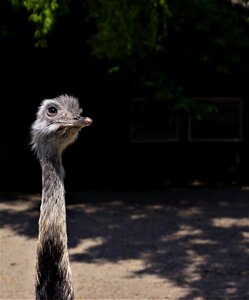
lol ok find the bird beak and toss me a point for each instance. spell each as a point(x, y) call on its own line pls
point(83, 121)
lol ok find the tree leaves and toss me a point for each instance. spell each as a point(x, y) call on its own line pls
point(127, 28)
point(43, 15)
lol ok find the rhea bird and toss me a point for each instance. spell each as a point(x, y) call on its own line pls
point(58, 122)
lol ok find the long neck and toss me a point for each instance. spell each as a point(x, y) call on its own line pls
point(53, 279)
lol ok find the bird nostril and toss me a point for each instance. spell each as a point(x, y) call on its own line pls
point(77, 118)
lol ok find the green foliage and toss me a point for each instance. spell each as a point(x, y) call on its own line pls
point(43, 15)
point(155, 41)
point(203, 36)
point(211, 30)
point(16, 3)
point(127, 28)
point(114, 70)
point(164, 88)
point(215, 32)
point(195, 109)
point(123, 28)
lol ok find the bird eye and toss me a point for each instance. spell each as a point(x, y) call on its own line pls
point(52, 111)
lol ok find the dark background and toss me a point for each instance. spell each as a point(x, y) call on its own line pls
point(104, 156)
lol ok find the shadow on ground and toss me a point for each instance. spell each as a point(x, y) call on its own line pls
point(194, 238)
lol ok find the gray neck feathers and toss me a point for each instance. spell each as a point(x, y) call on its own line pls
point(53, 280)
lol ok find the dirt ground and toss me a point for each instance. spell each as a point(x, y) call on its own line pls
point(175, 244)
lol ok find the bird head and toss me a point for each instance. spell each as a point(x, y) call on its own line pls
point(58, 122)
